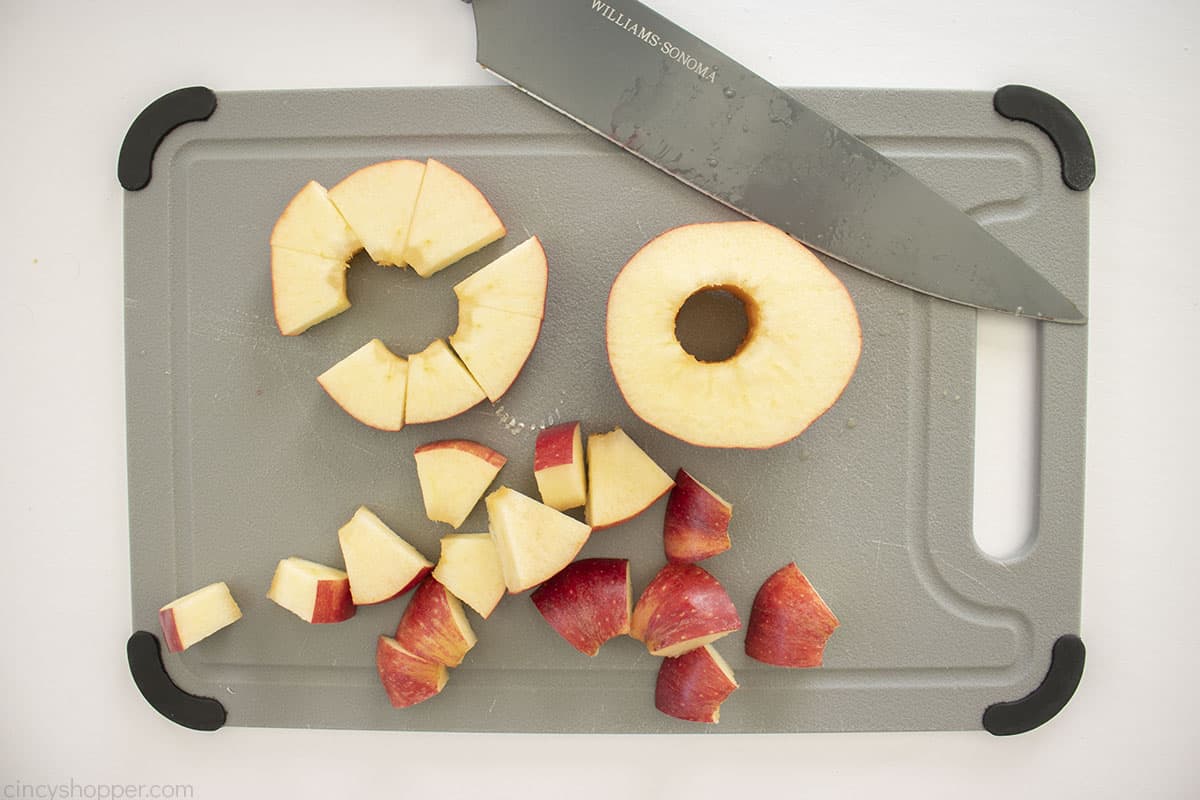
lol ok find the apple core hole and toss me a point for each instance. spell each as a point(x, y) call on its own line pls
point(714, 323)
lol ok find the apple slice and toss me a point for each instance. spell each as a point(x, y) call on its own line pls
point(197, 616)
point(452, 219)
point(313, 592)
point(434, 626)
point(439, 386)
point(588, 602)
point(470, 568)
point(370, 385)
point(406, 678)
point(558, 466)
point(306, 289)
point(696, 526)
point(454, 474)
point(681, 609)
point(692, 686)
point(789, 622)
point(533, 540)
point(494, 345)
point(380, 564)
point(622, 480)
point(377, 203)
point(312, 224)
point(514, 282)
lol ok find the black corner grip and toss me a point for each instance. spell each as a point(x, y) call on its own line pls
point(1039, 706)
point(164, 115)
point(188, 710)
point(1026, 104)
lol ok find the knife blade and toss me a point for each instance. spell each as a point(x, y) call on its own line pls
point(637, 79)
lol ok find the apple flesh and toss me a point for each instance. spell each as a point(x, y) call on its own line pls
point(407, 678)
point(515, 282)
point(801, 349)
point(197, 615)
point(313, 592)
point(789, 622)
point(469, 567)
point(434, 626)
point(558, 466)
point(452, 219)
point(681, 609)
point(533, 540)
point(622, 480)
point(370, 385)
point(312, 224)
point(696, 525)
point(377, 203)
point(439, 386)
point(692, 686)
point(379, 564)
point(588, 602)
point(494, 345)
point(454, 474)
point(306, 289)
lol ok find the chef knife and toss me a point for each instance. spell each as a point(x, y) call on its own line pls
point(639, 80)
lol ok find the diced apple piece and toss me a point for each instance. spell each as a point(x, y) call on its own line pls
point(312, 224)
point(197, 616)
point(439, 386)
point(370, 385)
point(454, 474)
point(696, 526)
point(588, 602)
point(789, 622)
point(434, 626)
point(377, 203)
point(681, 609)
point(558, 466)
point(406, 678)
point(313, 592)
point(452, 220)
point(379, 563)
point(470, 568)
point(692, 686)
point(494, 345)
point(533, 540)
point(306, 289)
point(622, 480)
point(514, 282)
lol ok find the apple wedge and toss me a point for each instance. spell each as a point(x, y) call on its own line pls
point(558, 466)
point(454, 474)
point(681, 609)
point(313, 592)
point(533, 540)
point(197, 615)
point(588, 602)
point(370, 385)
point(789, 622)
point(306, 289)
point(696, 525)
point(692, 686)
point(622, 480)
point(407, 678)
point(377, 203)
point(379, 564)
point(312, 224)
point(494, 345)
point(452, 219)
point(514, 282)
point(439, 386)
point(470, 568)
point(434, 626)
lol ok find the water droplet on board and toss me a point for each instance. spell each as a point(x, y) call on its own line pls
point(730, 93)
point(852, 423)
point(712, 162)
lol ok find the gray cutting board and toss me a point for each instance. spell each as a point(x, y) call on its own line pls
point(237, 458)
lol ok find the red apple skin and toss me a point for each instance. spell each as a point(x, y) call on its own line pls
point(427, 628)
point(555, 446)
point(692, 687)
point(333, 603)
point(407, 679)
point(682, 603)
point(587, 602)
point(474, 448)
point(166, 618)
point(789, 622)
point(696, 525)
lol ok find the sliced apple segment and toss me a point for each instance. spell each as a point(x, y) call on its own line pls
point(558, 466)
point(439, 386)
point(380, 565)
point(470, 568)
point(681, 609)
point(515, 282)
point(588, 602)
point(434, 626)
point(454, 474)
point(306, 289)
point(452, 220)
point(407, 678)
point(377, 203)
point(197, 615)
point(696, 525)
point(313, 592)
point(533, 540)
point(692, 686)
point(312, 224)
point(622, 480)
point(494, 345)
point(370, 385)
point(789, 622)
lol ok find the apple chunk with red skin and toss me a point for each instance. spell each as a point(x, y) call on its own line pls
point(454, 474)
point(313, 592)
point(369, 385)
point(197, 615)
point(470, 568)
point(379, 563)
point(789, 622)
point(692, 686)
point(681, 609)
point(588, 603)
point(558, 466)
point(533, 540)
point(407, 678)
point(696, 525)
point(623, 481)
point(434, 625)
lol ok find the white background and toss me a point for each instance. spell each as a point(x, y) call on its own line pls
point(74, 75)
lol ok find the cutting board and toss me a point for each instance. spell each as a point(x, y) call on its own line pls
point(237, 458)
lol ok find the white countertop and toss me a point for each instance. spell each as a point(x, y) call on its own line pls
point(74, 75)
